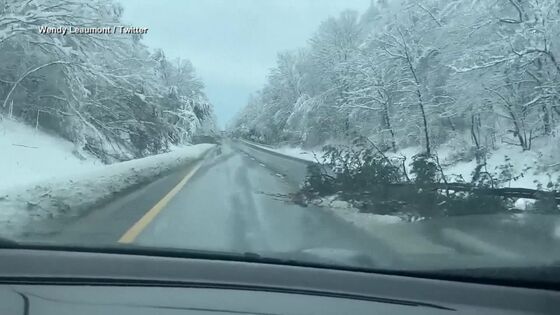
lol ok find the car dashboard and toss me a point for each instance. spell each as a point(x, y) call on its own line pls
point(36, 281)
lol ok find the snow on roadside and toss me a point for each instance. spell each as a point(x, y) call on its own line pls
point(533, 169)
point(534, 164)
point(530, 163)
point(28, 155)
point(296, 152)
point(301, 153)
point(73, 194)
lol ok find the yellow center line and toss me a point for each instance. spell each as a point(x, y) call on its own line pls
point(139, 226)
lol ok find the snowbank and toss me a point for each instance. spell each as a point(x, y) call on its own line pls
point(73, 194)
point(28, 155)
point(295, 152)
point(532, 169)
point(291, 169)
point(301, 153)
point(537, 165)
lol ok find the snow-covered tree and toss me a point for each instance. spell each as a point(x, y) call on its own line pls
point(107, 94)
point(410, 72)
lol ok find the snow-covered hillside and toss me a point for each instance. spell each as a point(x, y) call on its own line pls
point(41, 177)
point(474, 84)
point(28, 155)
point(533, 169)
point(117, 100)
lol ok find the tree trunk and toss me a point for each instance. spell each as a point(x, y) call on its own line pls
point(418, 93)
point(517, 129)
point(425, 121)
point(546, 120)
point(474, 134)
point(388, 125)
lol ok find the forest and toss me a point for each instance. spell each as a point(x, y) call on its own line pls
point(407, 72)
point(107, 93)
point(477, 76)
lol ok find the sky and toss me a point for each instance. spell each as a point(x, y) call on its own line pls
point(232, 43)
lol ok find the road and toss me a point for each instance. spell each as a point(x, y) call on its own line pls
point(236, 200)
point(231, 201)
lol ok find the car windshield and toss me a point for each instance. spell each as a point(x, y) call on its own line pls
point(399, 136)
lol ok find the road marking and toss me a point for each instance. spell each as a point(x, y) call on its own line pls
point(139, 226)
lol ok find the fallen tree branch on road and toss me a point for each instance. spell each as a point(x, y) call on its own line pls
point(502, 192)
point(462, 187)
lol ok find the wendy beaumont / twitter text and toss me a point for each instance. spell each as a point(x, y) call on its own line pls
point(74, 30)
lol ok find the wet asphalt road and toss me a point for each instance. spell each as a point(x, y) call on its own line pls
point(234, 202)
point(237, 201)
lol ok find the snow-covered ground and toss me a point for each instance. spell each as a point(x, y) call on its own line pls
point(28, 155)
point(308, 155)
point(538, 167)
point(532, 169)
point(48, 180)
